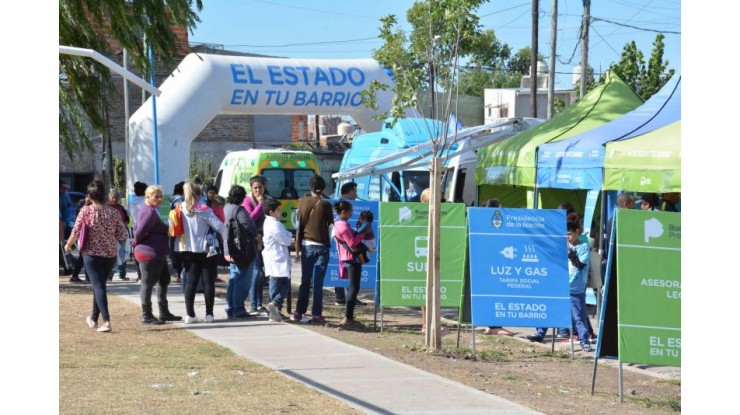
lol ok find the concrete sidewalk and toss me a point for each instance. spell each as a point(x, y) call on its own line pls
point(364, 380)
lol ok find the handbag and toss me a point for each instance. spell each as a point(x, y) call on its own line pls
point(82, 240)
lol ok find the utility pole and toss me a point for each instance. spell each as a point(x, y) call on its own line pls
point(551, 70)
point(126, 116)
point(584, 45)
point(533, 61)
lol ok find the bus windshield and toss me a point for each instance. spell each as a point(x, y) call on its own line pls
point(288, 183)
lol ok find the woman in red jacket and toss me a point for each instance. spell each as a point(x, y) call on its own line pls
point(349, 267)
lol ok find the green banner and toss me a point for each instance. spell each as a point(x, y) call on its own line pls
point(649, 287)
point(404, 250)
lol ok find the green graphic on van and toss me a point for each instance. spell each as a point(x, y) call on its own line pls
point(287, 173)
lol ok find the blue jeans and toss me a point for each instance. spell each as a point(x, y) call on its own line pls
point(314, 260)
point(257, 286)
point(578, 310)
point(279, 290)
point(97, 269)
point(578, 315)
point(124, 251)
point(238, 288)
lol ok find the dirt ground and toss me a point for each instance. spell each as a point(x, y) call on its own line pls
point(509, 367)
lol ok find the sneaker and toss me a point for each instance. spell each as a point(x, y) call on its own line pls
point(274, 312)
point(534, 338)
point(209, 318)
point(593, 340)
point(105, 328)
point(296, 317)
point(263, 312)
point(359, 303)
point(562, 335)
point(318, 320)
point(342, 303)
point(123, 279)
point(253, 312)
point(587, 347)
point(75, 280)
point(90, 323)
point(191, 320)
point(573, 339)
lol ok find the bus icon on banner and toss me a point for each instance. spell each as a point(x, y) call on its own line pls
point(421, 244)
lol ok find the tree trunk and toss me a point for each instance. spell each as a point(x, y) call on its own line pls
point(433, 335)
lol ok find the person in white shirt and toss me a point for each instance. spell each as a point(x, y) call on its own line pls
point(197, 219)
point(276, 240)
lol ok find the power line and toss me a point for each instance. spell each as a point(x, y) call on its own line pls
point(504, 10)
point(306, 43)
point(607, 43)
point(313, 10)
point(598, 19)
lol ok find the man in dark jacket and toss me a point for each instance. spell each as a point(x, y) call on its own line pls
point(312, 241)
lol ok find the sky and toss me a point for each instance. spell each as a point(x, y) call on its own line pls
point(341, 29)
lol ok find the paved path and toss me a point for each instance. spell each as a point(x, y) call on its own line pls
point(365, 380)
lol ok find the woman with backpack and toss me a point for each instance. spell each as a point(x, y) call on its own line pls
point(196, 220)
point(240, 251)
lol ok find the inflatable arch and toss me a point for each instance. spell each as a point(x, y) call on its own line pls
point(204, 86)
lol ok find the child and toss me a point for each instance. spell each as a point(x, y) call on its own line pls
point(276, 257)
point(366, 222)
point(578, 261)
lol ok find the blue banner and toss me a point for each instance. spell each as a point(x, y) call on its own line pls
point(588, 215)
point(519, 267)
point(369, 270)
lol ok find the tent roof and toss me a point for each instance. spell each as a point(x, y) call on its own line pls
point(512, 161)
point(650, 162)
point(576, 163)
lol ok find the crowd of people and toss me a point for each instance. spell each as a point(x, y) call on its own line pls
point(245, 234)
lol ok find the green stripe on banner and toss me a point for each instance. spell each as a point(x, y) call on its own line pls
point(649, 288)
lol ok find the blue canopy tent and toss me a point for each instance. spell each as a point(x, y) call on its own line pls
point(578, 162)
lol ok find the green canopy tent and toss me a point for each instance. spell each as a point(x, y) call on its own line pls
point(512, 162)
point(650, 162)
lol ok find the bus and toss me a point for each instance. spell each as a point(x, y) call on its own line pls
point(287, 172)
point(402, 178)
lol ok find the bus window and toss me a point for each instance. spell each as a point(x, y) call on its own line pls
point(460, 186)
point(415, 182)
point(288, 183)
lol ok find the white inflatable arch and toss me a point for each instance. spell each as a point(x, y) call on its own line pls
point(204, 86)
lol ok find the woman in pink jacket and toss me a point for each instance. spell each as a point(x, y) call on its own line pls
point(349, 267)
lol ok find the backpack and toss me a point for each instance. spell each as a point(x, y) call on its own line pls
point(175, 220)
point(241, 246)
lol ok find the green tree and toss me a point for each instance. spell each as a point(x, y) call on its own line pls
point(522, 60)
point(92, 24)
point(485, 70)
point(644, 80)
point(459, 29)
point(657, 73)
point(119, 174)
point(202, 167)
